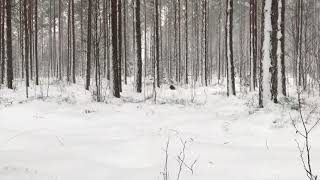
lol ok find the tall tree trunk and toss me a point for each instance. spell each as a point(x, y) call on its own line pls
point(73, 44)
point(115, 65)
point(175, 51)
point(229, 48)
point(268, 66)
point(280, 49)
point(97, 53)
point(138, 50)
point(30, 38)
point(145, 41)
point(187, 47)
point(253, 44)
point(219, 41)
point(69, 55)
point(9, 46)
point(81, 40)
point(120, 43)
point(61, 49)
point(89, 46)
point(104, 29)
point(283, 64)
point(274, 48)
point(157, 39)
point(206, 43)
point(125, 8)
point(36, 41)
point(179, 41)
point(2, 41)
point(26, 44)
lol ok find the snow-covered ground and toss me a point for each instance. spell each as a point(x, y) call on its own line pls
point(68, 136)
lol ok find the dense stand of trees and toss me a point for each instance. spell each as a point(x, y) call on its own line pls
point(265, 45)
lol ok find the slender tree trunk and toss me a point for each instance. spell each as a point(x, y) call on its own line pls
point(73, 44)
point(104, 29)
point(125, 42)
point(145, 40)
point(115, 64)
point(26, 44)
point(229, 48)
point(108, 4)
point(60, 50)
point(36, 41)
point(280, 50)
point(82, 40)
point(2, 7)
point(253, 44)
point(274, 48)
point(69, 56)
point(206, 63)
point(219, 41)
point(120, 44)
point(187, 45)
point(89, 46)
point(2, 41)
point(30, 38)
point(175, 41)
point(1, 33)
point(157, 38)
point(179, 41)
point(139, 48)
point(283, 64)
point(9, 46)
point(97, 53)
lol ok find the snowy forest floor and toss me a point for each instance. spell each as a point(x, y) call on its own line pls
point(69, 136)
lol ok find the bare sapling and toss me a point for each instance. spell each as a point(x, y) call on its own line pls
point(304, 145)
point(181, 159)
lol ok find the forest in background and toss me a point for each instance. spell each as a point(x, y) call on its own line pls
point(261, 44)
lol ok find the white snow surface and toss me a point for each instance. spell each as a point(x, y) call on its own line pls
point(68, 136)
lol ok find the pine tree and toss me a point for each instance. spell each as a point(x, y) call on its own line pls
point(139, 48)
point(26, 44)
point(115, 66)
point(9, 46)
point(36, 41)
point(73, 44)
point(253, 44)
point(157, 42)
point(268, 66)
point(187, 46)
point(2, 46)
point(229, 48)
point(89, 33)
point(281, 49)
point(119, 32)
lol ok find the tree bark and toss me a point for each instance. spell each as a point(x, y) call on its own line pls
point(115, 64)
point(2, 41)
point(73, 44)
point(229, 48)
point(89, 33)
point(280, 49)
point(9, 46)
point(268, 67)
point(187, 46)
point(138, 50)
point(36, 41)
point(120, 44)
point(157, 38)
